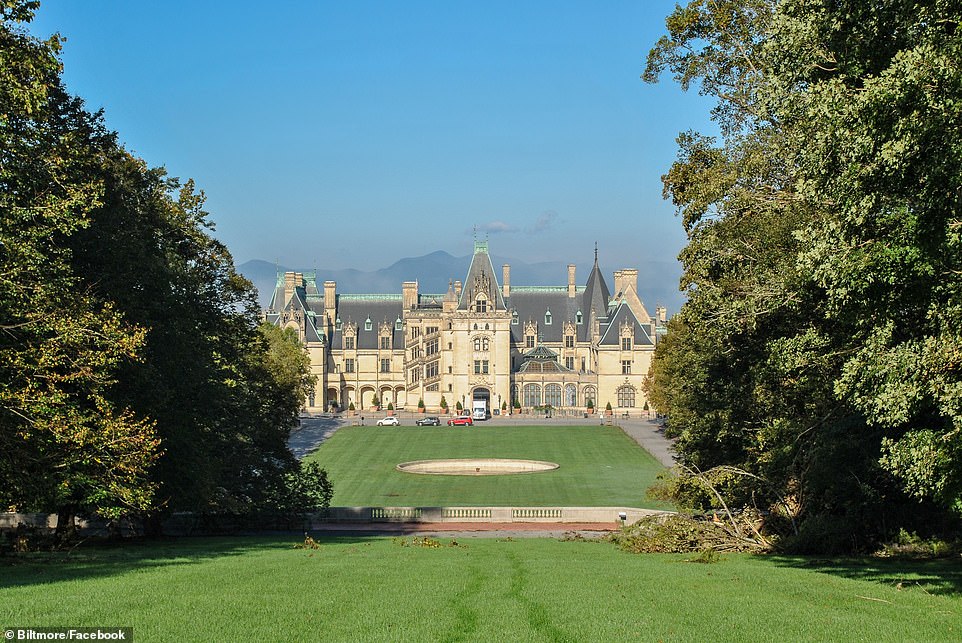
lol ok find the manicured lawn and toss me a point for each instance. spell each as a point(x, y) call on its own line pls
point(600, 466)
point(358, 589)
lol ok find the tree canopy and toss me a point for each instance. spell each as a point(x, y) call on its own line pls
point(821, 345)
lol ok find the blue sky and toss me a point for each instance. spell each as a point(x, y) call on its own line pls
point(352, 134)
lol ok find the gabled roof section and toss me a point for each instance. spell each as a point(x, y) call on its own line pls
point(596, 294)
point(481, 278)
point(612, 334)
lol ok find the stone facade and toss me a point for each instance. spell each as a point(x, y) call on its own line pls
point(573, 348)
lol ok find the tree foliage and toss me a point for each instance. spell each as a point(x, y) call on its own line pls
point(820, 345)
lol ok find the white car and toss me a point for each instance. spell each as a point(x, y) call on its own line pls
point(388, 421)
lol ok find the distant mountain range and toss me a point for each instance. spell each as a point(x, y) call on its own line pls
point(657, 280)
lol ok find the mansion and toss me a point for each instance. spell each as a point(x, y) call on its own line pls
point(571, 347)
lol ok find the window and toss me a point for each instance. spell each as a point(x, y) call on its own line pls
point(529, 341)
point(569, 341)
point(337, 324)
point(385, 343)
point(590, 394)
point(582, 364)
point(416, 352)
point(552, 395)
point(398, 324)
point(626, 343)
point(385, 365)
point(449, 345)
point(431, 347)
point(626, 396)
point(477, 343)
point(514, 318)
point(431, 370)
point(480, 343)
point(367, 324)
point(415, 331)
point(626, 367)
point(532, 395)
point(481, 305)
point(571, 395)
point(415, 374)
point(484, 342)
point(349, 366)
point(480, 367)
point(430, 330)
point(349, 343)
point(579, 318)
point(547, 318)
point(570, 363)
point(450, 369)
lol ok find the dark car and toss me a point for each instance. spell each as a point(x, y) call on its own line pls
point(461, 420)
point(430, 420)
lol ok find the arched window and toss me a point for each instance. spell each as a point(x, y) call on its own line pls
point(571, 395)
point(484, 343)
point(591, 393)
point(481, 304)
point(552, 395)
point(532, 395)
point(477, 343)
point(626, 396)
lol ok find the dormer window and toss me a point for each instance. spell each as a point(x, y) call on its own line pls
point(367, 324)
point(514, 318)
point(337, 324)
point(481, 304)
point(398, 324)
point(579, 318)
point(547, 318)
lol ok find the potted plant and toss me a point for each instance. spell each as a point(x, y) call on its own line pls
point(608, 408)
point(444, 405)
point(517, 407)
point(504, 407)
point(421, 405)
point(590, 406)
point(459, 407)
point(390, 408)
point(350, 409)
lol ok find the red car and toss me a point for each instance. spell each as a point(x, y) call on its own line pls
point(461, 420)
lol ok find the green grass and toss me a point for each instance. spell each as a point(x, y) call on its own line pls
point(356, 589)
point(600, 466)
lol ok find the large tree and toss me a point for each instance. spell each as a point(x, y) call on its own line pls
point(819, 349)
point(64, 443)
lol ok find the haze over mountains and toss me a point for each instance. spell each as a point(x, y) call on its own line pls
point(657, 280)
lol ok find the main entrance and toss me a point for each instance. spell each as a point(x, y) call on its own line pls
point(481, 404)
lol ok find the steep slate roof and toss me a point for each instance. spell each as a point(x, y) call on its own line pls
point(481, 269)
point(531, 304)
point(358, 309)
point(597, 295)
point(611, 336)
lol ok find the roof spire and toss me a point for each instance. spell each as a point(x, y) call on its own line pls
point(596, 252)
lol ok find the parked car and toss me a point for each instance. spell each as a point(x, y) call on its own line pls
point(388, 421)
point(461, 420)
point(431, 420)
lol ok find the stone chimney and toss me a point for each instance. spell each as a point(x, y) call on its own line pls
point(330, 298)
point(410, 294)
point(624, 278)
point(506, 280)
point(291, 281)
point(661, 313)
point(571, 280)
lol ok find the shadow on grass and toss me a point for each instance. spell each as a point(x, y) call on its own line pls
point(101, 559)
point(939, 576)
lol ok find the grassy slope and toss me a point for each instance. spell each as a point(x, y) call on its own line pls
point(374, 589)
point(600, 466)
